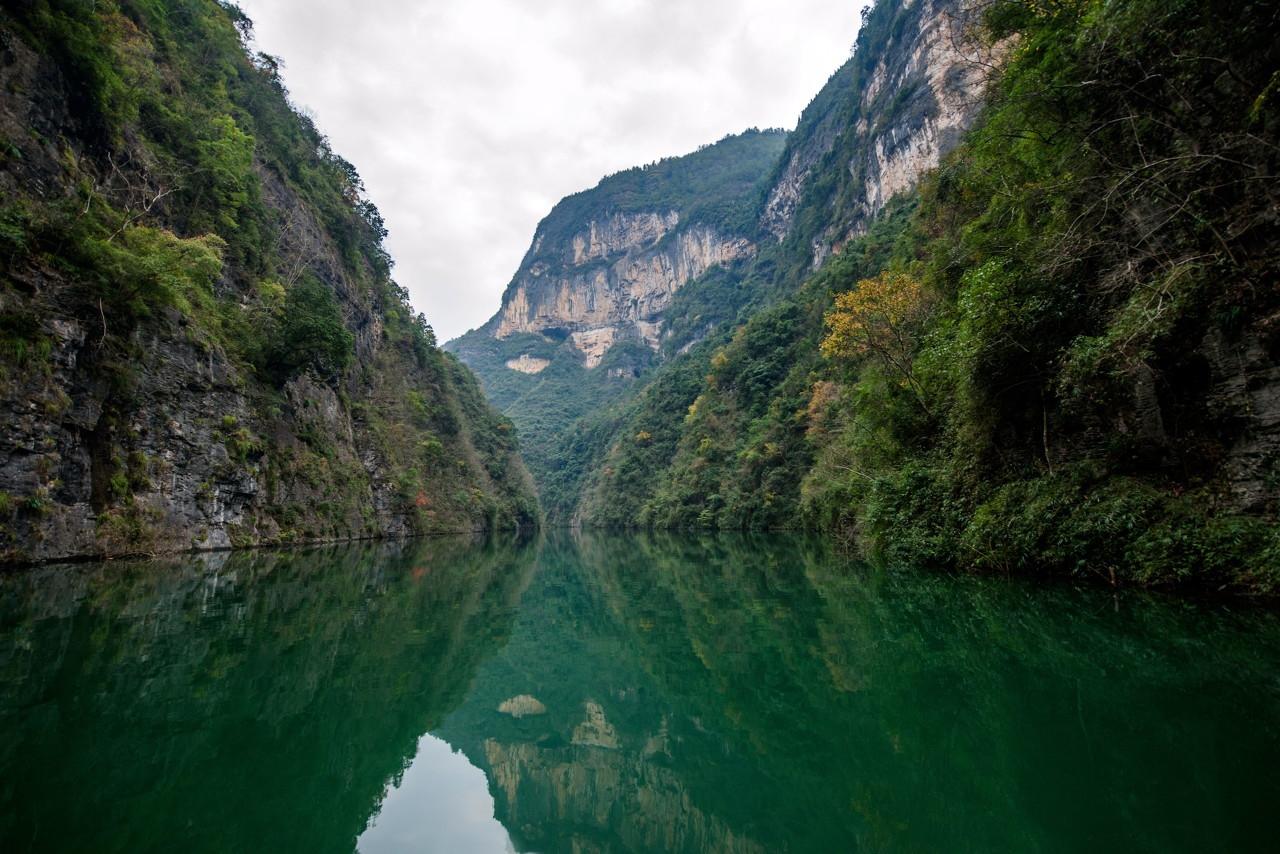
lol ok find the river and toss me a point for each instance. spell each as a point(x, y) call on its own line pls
point(611, 693)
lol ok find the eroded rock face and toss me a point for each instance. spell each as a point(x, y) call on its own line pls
point(613, 280)
point(522, 705)
point(143, 435)
point(620, 233)
point(915, 103)
point(188, 448)
point(950, 70)
point(594, 343)
point(595, 730)
point(1246, 390)
point(785, 195)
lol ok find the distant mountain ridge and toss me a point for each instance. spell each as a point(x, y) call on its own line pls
point(589, 309)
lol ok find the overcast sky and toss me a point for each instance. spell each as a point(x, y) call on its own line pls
point(469, 119)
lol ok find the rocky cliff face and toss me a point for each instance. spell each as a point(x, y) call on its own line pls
point(1103, 342)
point(622, 293)
point(883, 120)
point(615, 280)
point(170, 381)
point(887, 117)
point(605, 263)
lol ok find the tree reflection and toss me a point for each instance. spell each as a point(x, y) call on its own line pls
point(760, 693)
point(256, 701)
point(629, 693)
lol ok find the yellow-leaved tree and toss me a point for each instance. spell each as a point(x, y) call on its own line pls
point(879, 319)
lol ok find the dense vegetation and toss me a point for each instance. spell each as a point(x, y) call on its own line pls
point(161, 193)
point(163, 96)
point(690, 456)
point(1055, 359)
point(596, 470)
point(1056, 355)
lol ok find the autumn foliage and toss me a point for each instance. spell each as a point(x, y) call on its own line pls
point(875, 318)
point(879, 319)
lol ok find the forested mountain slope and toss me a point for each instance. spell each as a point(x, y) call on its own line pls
point(201, 342)
point(903, 99)
point(882, 119)
point(1013, 307)
point(1059, 356)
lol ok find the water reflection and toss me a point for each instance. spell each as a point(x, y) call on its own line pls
point(260, 701)
point(441, 803)
point(630, 693)
point(758, 694)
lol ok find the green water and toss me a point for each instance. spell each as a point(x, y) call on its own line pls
point(676, 694)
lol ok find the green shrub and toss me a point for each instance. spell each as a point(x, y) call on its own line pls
point(139, 270)
point(311, 335)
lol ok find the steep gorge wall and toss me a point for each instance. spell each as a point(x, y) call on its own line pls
point(883, 120)
point(668, 287)
point(887, 117)
point(595, 302)
point(166, 420)
point(1057, 356)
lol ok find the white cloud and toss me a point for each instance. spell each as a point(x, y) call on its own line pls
point(469, 119)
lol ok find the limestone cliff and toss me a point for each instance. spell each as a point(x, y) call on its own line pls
point(615, 280)
point(1088, 378)
point(886, 116)
point(604, 265)
point(613, 291)
point(884, 119)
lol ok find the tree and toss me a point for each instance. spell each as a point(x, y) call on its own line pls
point(312, 334)
point(878, 319)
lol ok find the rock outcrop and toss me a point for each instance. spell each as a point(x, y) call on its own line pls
point(598, 295)
point(885, 118)
point(615, 280)
point(526, 364)
point(911, 102)
point(605, 264)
